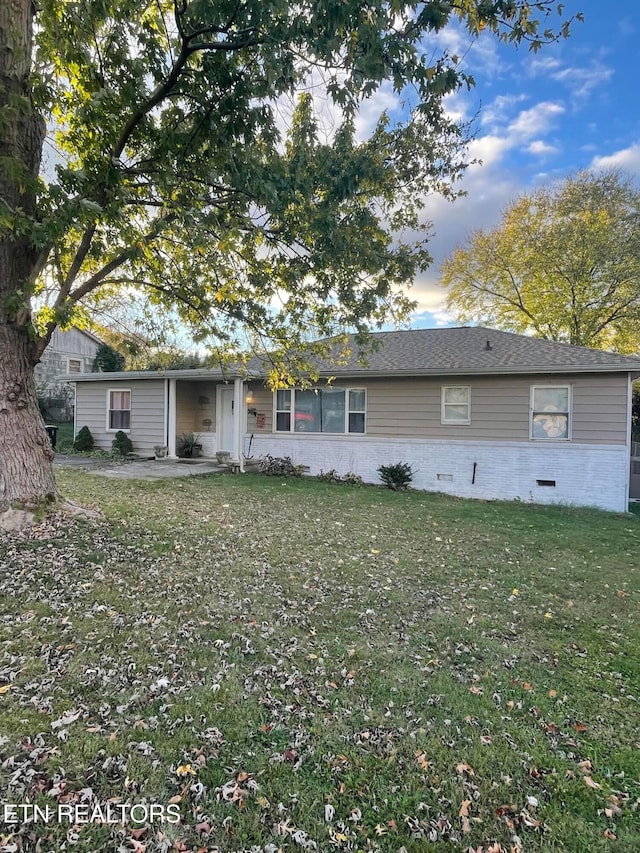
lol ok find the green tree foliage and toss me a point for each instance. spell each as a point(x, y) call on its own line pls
point(175, 176)
point(564, 263)
point(107, 360)
point(188, 160)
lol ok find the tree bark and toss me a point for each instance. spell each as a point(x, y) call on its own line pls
point(26, 473)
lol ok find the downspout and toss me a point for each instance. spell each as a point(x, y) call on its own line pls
point(75, 409)
point(165, 425)
point(238, 410)
point(171, 431)
point(629, 422)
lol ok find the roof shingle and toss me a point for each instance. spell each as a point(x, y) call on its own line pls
point(471, 349)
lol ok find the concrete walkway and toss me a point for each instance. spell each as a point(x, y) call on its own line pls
point(151, 470)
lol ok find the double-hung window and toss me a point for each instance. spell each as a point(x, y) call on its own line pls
point(327, 410)
point(456, 404)
point(550, 412)
point(118, 410)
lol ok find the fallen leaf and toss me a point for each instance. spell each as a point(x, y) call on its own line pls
point(590, 783)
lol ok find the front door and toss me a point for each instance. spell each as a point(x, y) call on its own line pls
point(225, 418)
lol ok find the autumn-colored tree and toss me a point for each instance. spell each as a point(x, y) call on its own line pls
point(169, 169)
point(564, 264)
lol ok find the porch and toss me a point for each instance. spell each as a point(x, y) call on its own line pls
point(215, 411)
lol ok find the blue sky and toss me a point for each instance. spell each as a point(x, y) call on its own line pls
point(573, 105)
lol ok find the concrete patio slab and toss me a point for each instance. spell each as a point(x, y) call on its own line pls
point(152, 470)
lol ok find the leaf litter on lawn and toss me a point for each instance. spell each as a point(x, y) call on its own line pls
point(295, 666)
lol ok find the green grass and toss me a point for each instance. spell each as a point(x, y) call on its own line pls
point(292, 661)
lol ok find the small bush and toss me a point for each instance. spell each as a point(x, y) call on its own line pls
point(396, 476)
point(84, 440)
point(275, 466)
point(122, 443)
point(348, 479)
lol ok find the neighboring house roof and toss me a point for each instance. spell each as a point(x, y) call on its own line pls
point(413, 352)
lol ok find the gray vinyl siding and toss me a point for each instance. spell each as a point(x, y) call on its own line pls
point(263, 404)
point(147, 412)
point(411, 407)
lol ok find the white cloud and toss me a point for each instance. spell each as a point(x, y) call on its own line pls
point(582, 81)
point(536, 120)
point(497, 111)
point(542, 65)
point(541, 149)
point(489, 149)
point(627, 159)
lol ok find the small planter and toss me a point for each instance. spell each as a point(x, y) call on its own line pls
point(223, 457)
point(188, 446)
point(160, 451)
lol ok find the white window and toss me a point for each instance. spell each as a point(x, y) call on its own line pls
point(118, 410)
point(328, 410)
point(74, 365)
point(357, 409)
point(456, 404)
point(551, 412)
point(283, 411)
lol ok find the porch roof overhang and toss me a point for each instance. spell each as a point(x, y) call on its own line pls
point(202, 374)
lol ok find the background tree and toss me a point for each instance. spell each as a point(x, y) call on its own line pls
point(169, 172)
point(564, 263)
point(107, 360)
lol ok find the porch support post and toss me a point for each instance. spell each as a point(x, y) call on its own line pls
point(238, 412)
point(171, 419)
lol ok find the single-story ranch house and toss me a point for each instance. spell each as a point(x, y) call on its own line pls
point(475, 411)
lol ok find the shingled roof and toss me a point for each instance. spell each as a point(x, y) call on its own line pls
point(471, 349)
point(424, 352)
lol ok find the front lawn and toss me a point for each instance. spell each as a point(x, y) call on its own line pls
point(293, 665)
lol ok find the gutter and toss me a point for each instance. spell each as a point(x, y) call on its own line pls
point(355, 374)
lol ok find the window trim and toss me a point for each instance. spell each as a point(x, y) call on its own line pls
point(111, 391)
point(565, 386)
point(457, 421)
point(292, 410)
point(288, 411)
point(79, 361)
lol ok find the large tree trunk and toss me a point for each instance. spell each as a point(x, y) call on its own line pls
point(26, 474)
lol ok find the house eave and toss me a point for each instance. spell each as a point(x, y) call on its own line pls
point(475, 371)
point(131, 375)
point(362, 373)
